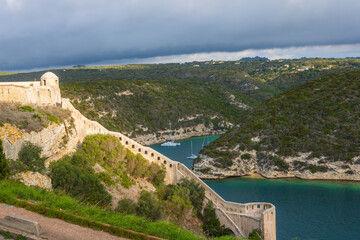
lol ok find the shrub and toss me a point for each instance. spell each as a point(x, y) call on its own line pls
point(4, 167)
point(281, 164)
point(125, 181)
point(125, 206)
point(79, 183)
point(26, 109)
point(197, 193)
point(211, 226)
point(157, 174)
point(315, 168)
point(105, 178)
point(205, 170)
point(29, 155)
point(246, 156)
point(256, 234)
point(106, 150)
point(17, 166)
point(148, 206)
point(312, 168)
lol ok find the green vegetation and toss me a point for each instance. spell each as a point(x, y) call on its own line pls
point(118, 161)
point(122, 98)
point(321, 117)
point(196, 193)
point(148, 206)
point(75, 174)
point(8, 235)
point(80, 183)
point(212, 227)
point(126, 206)
point(72, 210)
point(246, 156)
point(256, 234)
point(29, 156)
point(31, 118)
point(4, 167)
point(26, 109)
point(7, 73)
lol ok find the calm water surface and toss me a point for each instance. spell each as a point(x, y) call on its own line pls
point(315, 210)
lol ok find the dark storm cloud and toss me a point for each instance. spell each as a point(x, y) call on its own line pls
point(41, 33)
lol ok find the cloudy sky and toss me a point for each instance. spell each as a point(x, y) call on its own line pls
point(44, 33)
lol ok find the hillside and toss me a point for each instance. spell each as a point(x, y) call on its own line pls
point(311, 131)
point(198, 98)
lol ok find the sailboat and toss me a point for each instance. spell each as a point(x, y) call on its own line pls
point(170, 142)
point(192, 156)
point(206, 138)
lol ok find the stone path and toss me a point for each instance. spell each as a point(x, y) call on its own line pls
point(56, 229)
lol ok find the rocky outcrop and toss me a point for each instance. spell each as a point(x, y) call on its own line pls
point(276, 167)
point(182, 133)
point(34, 179)
point(51, 139)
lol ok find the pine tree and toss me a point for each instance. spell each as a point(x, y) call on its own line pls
point(4, 167)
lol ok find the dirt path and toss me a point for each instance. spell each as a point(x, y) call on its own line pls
point(56, 229)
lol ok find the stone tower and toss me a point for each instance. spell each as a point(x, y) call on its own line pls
point(49, 79)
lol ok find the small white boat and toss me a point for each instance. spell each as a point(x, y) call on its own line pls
point(169, 142)
point(192, 156)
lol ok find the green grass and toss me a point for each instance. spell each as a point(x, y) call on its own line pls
point(32, 118)
point(7, 73)
point(71, 210)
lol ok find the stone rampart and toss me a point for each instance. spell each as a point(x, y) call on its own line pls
point(29, 93)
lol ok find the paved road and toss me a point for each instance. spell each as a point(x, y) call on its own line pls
point(56, 229)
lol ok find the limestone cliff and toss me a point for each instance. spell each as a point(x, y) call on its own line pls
point(300, 167)
point(51, 139)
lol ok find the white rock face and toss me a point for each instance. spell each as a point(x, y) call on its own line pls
point(207, 168)
point(34, 179)
point(50, 139)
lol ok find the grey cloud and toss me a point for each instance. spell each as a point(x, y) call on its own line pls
point(41, 33)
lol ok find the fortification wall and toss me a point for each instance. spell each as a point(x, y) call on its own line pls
point(29, 93)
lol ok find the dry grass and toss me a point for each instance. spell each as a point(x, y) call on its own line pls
point(31, 118)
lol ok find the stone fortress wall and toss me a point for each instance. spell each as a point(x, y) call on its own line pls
point(45, 92)
point(240, 218)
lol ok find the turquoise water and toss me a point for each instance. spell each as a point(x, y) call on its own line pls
point(179, 153)
point(306, 210)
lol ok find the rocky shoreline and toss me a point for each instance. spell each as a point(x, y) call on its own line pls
point(336, 171)
point(178, 134)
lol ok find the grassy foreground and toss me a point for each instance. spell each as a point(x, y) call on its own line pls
point(71, 210)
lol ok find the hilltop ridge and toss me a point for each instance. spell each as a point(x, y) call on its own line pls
point(199, 98)
point(311, 131)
